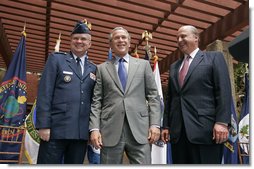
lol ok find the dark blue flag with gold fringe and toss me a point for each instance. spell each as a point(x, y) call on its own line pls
point(146, 56)
point(13, 98)
point(244, 126)
point(230, 154)
point(109, 54)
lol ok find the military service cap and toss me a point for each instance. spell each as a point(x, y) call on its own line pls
point(82, 27)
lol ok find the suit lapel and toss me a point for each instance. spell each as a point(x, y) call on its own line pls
point(176, 73)
point(112, 73)
point(133, 66)
point(197, 59)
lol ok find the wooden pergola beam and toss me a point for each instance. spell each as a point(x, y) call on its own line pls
point(221, 29)
point(5, 48)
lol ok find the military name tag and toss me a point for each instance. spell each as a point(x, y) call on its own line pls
point(67, 73)
point(67, 78)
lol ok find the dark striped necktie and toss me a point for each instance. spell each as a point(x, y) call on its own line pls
point(78, 65)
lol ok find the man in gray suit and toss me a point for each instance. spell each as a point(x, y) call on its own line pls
point(125, 112)
point(198, 112)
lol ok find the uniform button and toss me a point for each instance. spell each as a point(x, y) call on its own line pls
point(82, 102)
point(82, 91)
point(81, 81)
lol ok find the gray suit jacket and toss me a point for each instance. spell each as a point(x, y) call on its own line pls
point(140, 102)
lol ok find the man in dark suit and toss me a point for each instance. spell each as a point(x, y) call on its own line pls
point(125, 114)
point(199, 99)
point(64, 102)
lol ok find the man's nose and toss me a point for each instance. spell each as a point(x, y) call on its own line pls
point(79, 40)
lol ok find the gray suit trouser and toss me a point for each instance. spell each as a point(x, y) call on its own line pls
point(136, 153)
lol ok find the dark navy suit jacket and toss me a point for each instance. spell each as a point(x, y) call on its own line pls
point(64, 97)
point(204, 99)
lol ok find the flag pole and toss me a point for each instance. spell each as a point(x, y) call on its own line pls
point(58, 41)
point(155, 56)
point(147, 36)
point(24, 30)
point(136, 52)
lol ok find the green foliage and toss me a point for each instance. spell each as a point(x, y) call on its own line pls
point(239, 72)
point(244, 130)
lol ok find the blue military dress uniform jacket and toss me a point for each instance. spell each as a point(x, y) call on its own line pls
point(64, 97)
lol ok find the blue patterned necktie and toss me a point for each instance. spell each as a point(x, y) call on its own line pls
point(122, 73)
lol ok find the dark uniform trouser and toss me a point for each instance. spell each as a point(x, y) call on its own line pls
point(185, 152)
point(62, 151)
point(136, 153)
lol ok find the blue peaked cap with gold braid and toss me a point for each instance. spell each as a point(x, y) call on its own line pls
point(82, 27)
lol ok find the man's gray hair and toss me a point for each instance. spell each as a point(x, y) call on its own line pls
point(193, 29)
point(118, 28)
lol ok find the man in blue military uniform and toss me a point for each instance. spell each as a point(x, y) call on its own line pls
point(64, 101)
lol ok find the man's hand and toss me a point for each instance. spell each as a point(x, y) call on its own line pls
point(165, 135)
point(95, 139)
point(154, 134)
point(44, 134)
point(220, 133)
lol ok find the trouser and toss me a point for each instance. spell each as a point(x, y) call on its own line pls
point(185, 152)
point(62, 151)
point(136, 153)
